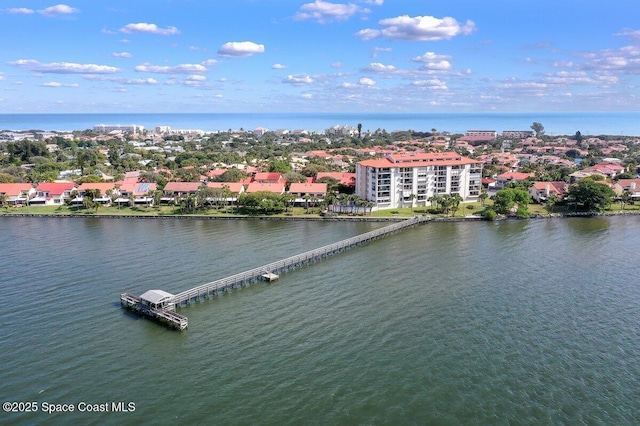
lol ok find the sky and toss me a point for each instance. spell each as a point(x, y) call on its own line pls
point(357, 56)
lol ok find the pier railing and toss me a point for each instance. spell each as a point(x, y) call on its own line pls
point(255, 274)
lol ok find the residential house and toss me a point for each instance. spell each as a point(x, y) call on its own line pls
point(305, 191)
point(631, 186)
point(106, 189)
point(178, 189)
point(269, 177)
point(343, 178)
point(541, 191)
point(138, 192)
point(275, 187)
point(504, 179)
point(52, 193)
point(17, 193)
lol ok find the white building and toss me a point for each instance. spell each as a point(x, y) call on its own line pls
point(106, 128)
point(404, 180)
point(492, 134)
point(341, 130)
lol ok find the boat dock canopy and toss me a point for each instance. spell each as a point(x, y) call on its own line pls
point(157, 298)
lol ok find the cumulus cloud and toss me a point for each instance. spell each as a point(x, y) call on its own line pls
point(121, 55)
point(364, 81)
point(139, 81)
point(19, 11)
point(434, 84)
point(177, 69)
point(418, 28)
point(59, 9)
point(278, 67)
point(210, 62)
point(57, 84)
point(143, 27)
point(297, 79)
point(434, 62)
point(197, 77)
point(324, 12)
point(240, 49)
point(379, 68)
point(64, 67)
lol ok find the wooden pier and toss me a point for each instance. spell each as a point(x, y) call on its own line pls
point(160, 306)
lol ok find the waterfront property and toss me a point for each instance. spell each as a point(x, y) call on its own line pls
point(403, 180)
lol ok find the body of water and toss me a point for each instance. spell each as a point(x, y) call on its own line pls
point(512, 322)
point(555, 123)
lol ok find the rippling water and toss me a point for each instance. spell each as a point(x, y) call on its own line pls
point(516, 322)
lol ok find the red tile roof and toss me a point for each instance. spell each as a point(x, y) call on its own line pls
point(344, 178)
point(14, 189)
point(55, 188)
point(234, 187)
point(183, 187)
point(308, 188)
point(267, 177)
point(278, 188)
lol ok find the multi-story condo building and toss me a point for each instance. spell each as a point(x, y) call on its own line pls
point(482, 133)
point(517, 134)
point(403, 180)
point(106, 128)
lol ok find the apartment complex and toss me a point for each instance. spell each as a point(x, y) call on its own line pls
point(403, 180)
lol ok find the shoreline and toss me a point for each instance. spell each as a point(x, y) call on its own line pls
point(321, 219)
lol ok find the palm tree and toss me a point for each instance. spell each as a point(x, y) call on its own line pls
point(483, 196)
point(412, 197)
point(4, 200)
point(455, 201)
point(551, 202)
point(624, 198)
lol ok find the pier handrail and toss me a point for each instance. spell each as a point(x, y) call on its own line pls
point(326, 250)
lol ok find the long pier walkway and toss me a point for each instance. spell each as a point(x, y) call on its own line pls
point(269, 271)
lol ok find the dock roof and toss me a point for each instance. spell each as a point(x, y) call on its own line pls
point(156, 296)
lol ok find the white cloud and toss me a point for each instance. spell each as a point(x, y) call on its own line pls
point(59, 9)
point(121, 55)
point(139, 81)
point(379, 68)
point(628, 32)
point(177, 69)
point(323, 12)
point(197, 77)
point(57, 84)
point(337, 65)
point(434, 62)
point(366, 82)
point(19, 11)
point(374, 2)
point(419, 28)
point(306, 96)
point(210, 62)
point(64, 67)
point(143, 27)
point(298, 79)
point(240, 49)
point(278, 67)
point(434, 84)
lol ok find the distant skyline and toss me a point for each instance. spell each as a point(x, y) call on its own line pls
point(319, 56)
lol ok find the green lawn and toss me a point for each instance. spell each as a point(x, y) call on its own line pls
point(465, 209)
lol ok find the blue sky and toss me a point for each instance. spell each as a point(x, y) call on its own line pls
point(319, 56)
